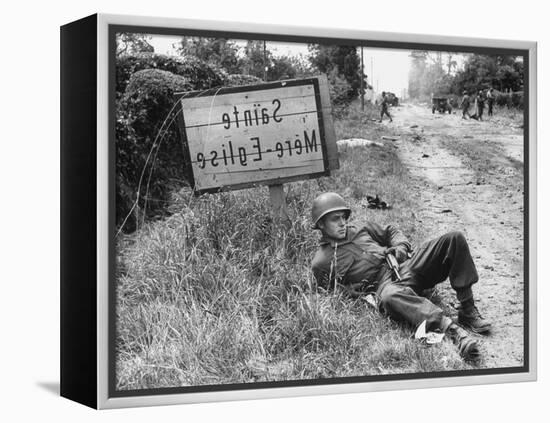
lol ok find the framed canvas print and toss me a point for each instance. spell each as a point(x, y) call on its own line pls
point(264, 211)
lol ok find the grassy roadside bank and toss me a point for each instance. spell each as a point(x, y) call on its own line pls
point(207, 296)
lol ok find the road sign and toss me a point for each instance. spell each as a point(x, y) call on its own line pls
point(257, 134)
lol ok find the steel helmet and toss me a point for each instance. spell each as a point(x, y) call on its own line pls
point(326, 203)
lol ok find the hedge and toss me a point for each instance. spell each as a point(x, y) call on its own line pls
point(144, 152)
point(199, 75)
point(235, 80)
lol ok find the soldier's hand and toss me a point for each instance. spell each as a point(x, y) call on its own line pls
point(400, 253)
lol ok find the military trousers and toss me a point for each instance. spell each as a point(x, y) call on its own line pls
point(480, 112)
point(383, 112)
point(432, 263)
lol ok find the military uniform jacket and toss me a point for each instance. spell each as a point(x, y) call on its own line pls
point(357, 258)
point(480, 101)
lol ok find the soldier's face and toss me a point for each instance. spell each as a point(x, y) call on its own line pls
point(334, 225)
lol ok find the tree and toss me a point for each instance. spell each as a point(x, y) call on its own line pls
point(256, 59)
point(132, 43)
point(451, 63)
point(482, 71)
point(417, 72)
point(430, 74)
point(219, 52)
point(280, 68)
point(510, 73)
point(301, 65)
point(342, 61)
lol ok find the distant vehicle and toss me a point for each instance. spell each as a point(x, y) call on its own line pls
point(441, 104)
point(392, 99)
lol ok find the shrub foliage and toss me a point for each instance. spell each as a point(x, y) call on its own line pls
point(149, 154)
point(199, 75)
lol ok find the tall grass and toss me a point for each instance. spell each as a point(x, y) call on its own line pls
point(218, 293)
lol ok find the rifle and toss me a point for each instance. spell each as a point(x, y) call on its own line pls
point(394, 265)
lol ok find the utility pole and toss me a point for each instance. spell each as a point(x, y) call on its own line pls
point(265, 64)
point(362, 82)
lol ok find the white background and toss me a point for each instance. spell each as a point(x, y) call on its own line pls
point(29, 345)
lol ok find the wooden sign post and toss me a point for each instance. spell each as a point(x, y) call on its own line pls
point(266, 134)
point(278, 203)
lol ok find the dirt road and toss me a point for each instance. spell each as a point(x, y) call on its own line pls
point(469, 175)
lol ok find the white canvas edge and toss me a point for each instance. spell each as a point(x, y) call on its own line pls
point(103, 401)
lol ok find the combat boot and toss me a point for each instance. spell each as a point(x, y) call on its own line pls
point(469, 317)
point(467, 346)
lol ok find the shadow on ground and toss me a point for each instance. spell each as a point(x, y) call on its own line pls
point(51, 387)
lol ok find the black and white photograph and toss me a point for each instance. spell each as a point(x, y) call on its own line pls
point(266, 212)
point(315, 211)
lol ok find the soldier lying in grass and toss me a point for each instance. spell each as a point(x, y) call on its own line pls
point(355, 258)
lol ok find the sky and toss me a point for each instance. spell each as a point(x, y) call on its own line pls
point(387, 70)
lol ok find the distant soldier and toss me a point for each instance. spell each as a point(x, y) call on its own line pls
point(490, 101)
point(465, 105)
point(384, 107)
point(480, 105)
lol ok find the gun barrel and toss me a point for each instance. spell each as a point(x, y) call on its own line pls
point(394, 266)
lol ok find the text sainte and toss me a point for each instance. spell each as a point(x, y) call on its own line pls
point(254, 117)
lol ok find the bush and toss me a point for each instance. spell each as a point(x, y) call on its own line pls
point(199, 75)
point(510, 99)
point(236, 80)
point(149, 161)
point(339, 90)
point(145, 85)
